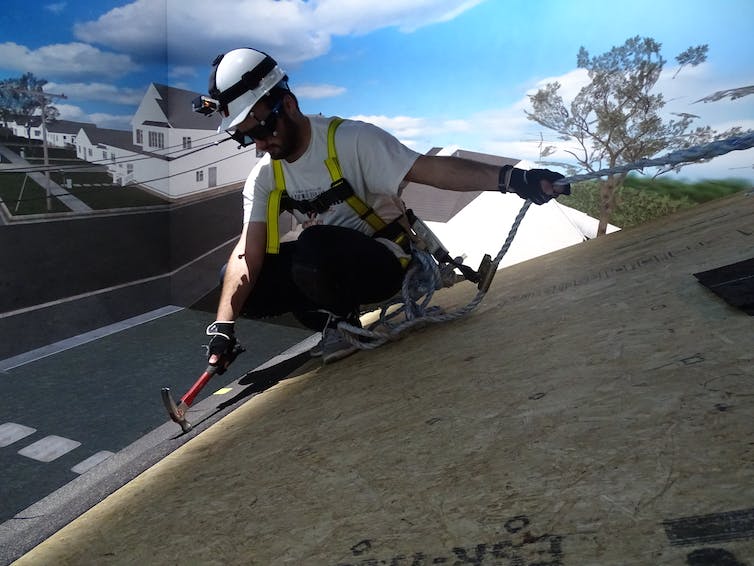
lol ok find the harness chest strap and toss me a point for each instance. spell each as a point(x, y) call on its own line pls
point(336, 193)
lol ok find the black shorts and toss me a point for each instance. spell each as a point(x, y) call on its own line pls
point(328, 268)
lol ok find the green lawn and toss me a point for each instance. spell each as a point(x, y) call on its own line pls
point(642, 199)
point(33, 200)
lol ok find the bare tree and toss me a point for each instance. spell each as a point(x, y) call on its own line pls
point(615, 119)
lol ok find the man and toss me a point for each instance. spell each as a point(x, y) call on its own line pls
point(341, 180)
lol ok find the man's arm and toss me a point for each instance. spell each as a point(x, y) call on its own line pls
point(458, 174)
point(453, 173)
point(244, 265)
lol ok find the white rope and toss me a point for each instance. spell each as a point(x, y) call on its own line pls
point(421, 281)
point(423, 277)
point(688, 155)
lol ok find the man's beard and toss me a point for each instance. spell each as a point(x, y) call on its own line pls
point(281, 148)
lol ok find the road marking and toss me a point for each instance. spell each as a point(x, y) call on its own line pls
point(12, 432)
point(57, 347)
point(223, 391)
point(49, 448)
point(90, 462)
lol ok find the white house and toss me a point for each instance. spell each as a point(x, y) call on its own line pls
point(60, 133)
point(472, 224)
point(170, 149)
point(112, 149)
point(26, 126)
point(189, 156)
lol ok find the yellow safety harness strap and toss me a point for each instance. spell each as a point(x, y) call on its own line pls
point(365, 212)
point(332, 163)
point(273, 208)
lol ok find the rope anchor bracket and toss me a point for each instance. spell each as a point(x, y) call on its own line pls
point(486, 272)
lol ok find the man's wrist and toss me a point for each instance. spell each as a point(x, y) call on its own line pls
point(504, 179)
point(224, 328)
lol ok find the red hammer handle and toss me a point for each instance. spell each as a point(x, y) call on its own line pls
point(191, 394)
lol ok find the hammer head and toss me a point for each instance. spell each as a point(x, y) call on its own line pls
point(177, 412)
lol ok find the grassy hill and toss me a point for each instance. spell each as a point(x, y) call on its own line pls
point(642, 199)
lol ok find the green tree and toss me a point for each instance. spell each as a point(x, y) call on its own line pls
point(615, 119)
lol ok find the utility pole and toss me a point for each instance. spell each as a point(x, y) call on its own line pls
point(43, 96)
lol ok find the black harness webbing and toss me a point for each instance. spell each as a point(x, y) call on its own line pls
point(340, 190)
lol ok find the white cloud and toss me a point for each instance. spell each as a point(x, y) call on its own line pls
point(113, 121)
point(72, 113)
point(181, 71)
point(102, 120)
point(98, 91)
point(65, 60)
point(318, 91)
point(142, 26)
point(417, 133)
point(507, 132)
point(56, 7)
point(139, 27)
point(364, 16)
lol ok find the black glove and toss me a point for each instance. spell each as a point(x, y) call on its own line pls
point(222, 342)
point(526, 183)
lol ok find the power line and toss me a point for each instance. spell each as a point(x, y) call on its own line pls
point(120, 161)
point(128, 160)
point(91, 189)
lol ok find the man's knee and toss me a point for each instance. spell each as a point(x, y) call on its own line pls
point(315, 284)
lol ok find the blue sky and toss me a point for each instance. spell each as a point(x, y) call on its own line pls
point(434, 72)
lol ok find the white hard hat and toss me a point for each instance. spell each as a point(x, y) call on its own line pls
point(240, 78)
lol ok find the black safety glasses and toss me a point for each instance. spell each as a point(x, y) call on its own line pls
point(264, 129)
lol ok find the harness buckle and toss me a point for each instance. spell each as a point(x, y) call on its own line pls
point(320, 205)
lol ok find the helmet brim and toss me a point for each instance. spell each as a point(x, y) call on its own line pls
point(239, 108)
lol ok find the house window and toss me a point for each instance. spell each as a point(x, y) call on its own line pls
point(112, 157)
point(156, 139)
point(104, 154)
point(90, 152)
point(139, 136)
point(129, 168)
point(200, 176)
point(186, 143)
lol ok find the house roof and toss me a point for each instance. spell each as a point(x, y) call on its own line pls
point(434, 205)
point(114, 138)
point(583, 395)
point(31, 121)
point(176, 106)
point(68, 126)
point(156, 123)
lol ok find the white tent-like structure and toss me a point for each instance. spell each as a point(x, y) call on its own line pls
point(474, 224)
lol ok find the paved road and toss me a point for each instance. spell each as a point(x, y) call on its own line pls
point(64, 413)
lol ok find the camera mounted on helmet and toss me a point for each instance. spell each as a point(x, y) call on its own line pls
point(205, 105)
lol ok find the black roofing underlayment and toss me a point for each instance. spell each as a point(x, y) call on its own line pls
point(734, 283)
